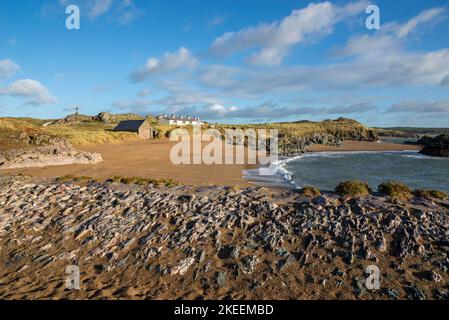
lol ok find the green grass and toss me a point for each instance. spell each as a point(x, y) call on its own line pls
point(395, 190)
point(353, 188)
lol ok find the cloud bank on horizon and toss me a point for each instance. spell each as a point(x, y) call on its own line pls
point(315, 60)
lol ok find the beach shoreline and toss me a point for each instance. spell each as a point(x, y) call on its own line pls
point(151, 159)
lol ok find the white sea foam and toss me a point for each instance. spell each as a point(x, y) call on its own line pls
point(285, 177)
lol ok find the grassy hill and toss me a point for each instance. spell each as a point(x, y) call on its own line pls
point(14, 132)
point(84, 130)
point(342, 128)
point(409, 132)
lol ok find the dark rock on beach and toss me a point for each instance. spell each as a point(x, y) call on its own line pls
point(436, 147)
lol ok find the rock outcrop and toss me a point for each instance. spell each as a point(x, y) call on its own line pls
point(107, 117)
point(291, 144)
point(47, 151)
point(104, 117)
point(215, 242)
point(436, 147)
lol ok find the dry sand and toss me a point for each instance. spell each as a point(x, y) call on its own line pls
point(151, 159)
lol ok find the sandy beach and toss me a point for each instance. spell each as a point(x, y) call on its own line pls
point(151, 159)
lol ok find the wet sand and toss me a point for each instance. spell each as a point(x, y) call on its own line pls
point(151, 159)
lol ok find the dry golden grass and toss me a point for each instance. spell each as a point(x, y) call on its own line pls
point(431, 194)
point(94, 132)
point(310, 192)
point(395, 190)
point(86, 133)
point(353, 189)
point(89, 133)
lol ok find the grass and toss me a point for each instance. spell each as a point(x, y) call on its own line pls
point(143, 181)
point(431, 194)
point(341, 128)
point(353, 188)
point(310, 192)
point(123, 180)
point(89, 133)
point(395, 190)
point(95, 132)
point(73, 178)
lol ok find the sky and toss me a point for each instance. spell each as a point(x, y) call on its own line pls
point(228, 61)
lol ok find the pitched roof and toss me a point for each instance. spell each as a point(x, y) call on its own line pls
point(129, 125)
point(177, 118)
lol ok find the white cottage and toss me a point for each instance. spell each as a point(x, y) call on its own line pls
point(178, 120)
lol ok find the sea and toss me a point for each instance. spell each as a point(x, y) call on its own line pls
point(325, 170)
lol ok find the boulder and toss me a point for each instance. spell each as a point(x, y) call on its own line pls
point(436, 147)
point(60, 152)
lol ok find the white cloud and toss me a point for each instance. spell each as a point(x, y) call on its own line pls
point(121, 11)
point(135, 105)
point(275, 39)
point(8, 68)
point(127, 12)
point(99, 7)
point(371, 61)
point(441, 106)
point(216, 20)
point(423, 17)
point(182, 58)
point(144, 92)
point(367, 61)
point(267, 111)
point(33, 90)
point(445, 81)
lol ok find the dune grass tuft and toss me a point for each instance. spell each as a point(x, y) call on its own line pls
point(395, 190)
point(353, 188)
point(310, 192)
point(143, 181)
point(431, 194)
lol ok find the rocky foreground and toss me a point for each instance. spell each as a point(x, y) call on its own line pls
point(216, 242)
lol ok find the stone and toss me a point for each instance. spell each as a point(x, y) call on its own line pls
point(183, 266)
point(201, 256)
point(248, 263)
point(415, 293)
point(359, 284)
point(228, 252)
point(436, 147)
point(431, 275)
point(221, 279)
point(392, 293)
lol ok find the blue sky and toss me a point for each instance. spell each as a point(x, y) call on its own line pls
point(228, 60)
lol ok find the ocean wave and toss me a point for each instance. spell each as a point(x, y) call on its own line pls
point(288, 176)
point(283, 174)
point(422, 156)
